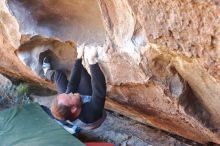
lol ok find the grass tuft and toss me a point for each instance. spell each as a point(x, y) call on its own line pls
point(12, 95)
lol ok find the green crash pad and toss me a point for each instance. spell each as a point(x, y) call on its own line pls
point(29, 125)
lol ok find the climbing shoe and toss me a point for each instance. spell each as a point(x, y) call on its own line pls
point(46, 65)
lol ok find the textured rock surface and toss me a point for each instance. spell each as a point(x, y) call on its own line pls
point(36, 48)
point(9, 42)
point(78, 20)
point(160, 58)
point(182, 88)
point(122, 131)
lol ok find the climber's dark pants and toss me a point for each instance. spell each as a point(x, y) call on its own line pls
point(60, 79)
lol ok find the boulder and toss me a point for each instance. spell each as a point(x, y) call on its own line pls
point(160, 58)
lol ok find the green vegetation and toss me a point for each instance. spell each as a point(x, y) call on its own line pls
point(22, 89)
point(12, 95)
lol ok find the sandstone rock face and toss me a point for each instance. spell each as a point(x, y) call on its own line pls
point(9, 42)
point(182, 80)
point(33, 51)
point(78, 20)
point(160, 58)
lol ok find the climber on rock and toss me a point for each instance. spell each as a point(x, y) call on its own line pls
point(81, 99)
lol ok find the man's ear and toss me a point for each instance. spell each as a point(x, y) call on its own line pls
point(73, 109)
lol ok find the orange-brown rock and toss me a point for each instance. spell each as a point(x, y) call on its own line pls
point(160, 58)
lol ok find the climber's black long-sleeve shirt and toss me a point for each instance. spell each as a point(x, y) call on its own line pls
point(91, 111)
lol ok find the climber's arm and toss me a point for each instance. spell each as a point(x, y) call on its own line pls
point(75, 77)
point(93, 110)
point(76, 72)
point(98, 87)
